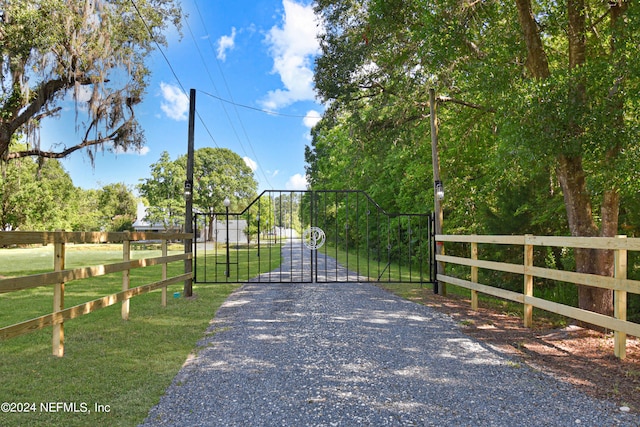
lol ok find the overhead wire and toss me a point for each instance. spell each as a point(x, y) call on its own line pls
point(255, 156)
point(173, 71)
point(144, 22)
point(261, 110)
point(233, 128)
point(222, 100)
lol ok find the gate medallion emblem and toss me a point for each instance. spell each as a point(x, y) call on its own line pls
point(313, 238)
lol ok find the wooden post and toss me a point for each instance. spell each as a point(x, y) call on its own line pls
point(188, 217)
point(528, 281)
point(164, 272)
point(620, 302)
point(439, 288)
point(474, 275)
point(58, 299)
point(126, 256)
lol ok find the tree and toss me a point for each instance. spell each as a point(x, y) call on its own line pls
point(287, 211)
point(36, 196)
point(164, 192)
point(543, 85)
point(597, 127)
point(88, 215)
point(117, 206)
point(90, 51)
point(218, 173)
point(261, 218)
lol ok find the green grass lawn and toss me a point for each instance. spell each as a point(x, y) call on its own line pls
point(120, 367)
point(364, 263)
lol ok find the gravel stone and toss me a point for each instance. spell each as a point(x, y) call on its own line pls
point(347, 354)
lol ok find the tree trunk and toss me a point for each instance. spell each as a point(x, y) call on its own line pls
point(570, 171)
point(212, 219)
point(572, 179)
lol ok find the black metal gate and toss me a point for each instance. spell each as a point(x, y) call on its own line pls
point(313, 236)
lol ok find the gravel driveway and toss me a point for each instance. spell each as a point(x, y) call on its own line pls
point(351, 354)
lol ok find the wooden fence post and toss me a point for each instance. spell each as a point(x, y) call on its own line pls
point(528, 281)
point(126, 256)
point(620, 302)
point(58, 299)
point(474, 275)
point(164, 272)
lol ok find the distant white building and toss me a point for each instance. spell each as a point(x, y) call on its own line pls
point(141, 224)
point(237, 231)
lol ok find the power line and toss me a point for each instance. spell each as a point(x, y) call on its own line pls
point(269, 112)
point(222, 100)
point(173, 71)
point(225, 110)
point(144, 22)
point(230, 95)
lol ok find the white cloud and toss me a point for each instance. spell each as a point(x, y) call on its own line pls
point(143, 151)
point(297, 182)
point(251, 163)
point(226, 43)
point(312, 118)
point(175, 103)
point(293, 47)
point(82, 93)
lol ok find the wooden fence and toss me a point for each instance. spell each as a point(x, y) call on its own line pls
point(619, 283)
point(60, 276)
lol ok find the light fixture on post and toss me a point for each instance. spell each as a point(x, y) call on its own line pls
point(439, 190)
point(226, 203)
point(188, 190)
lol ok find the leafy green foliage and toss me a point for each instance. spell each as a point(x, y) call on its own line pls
point(41, 196)
point(218, 173)
point(537, 111)
point(164, 192)
point(93, 51)
point(500, 129)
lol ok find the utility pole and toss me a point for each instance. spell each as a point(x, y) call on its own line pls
point(438, 190)
point(188, 195)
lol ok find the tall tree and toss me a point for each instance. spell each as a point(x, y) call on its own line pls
point(164, 192)
point(218, 173)
point(530, 84)
point(88, 216)
point(261, 218)
point(90, 51)
point(117, 206)
point(36, 196)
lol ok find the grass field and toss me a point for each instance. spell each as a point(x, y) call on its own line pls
point(113, 371)
point(365, 264)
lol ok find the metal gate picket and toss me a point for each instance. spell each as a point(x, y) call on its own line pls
point(317, 236)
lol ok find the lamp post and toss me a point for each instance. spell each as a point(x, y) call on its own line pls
point(438, 190)
point(227, 202)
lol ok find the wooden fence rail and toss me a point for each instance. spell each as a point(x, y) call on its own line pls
point(60, 276)
point(620, 285)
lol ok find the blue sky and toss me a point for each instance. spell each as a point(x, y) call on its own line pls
point(256, 53)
